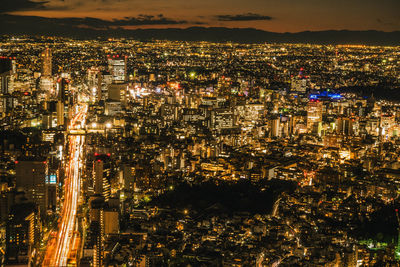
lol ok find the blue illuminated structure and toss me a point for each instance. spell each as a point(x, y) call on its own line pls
point(325, 94)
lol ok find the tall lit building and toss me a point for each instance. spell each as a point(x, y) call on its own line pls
point(299, 83)
point(63, 91)
point(46, 81)
point(344, 126)
point(111, 221)
point(46, 62)
point(96, 229)
point(6, 70)
point(95, 80)
point(22, 234)
point(116, 92)
point(387, 123)
point(222, 118)
point(314, 116)
point(275, 127)
point(117, 67)
point(64, 100)
point(60, 113)
point(101, 175)
point(31, 175)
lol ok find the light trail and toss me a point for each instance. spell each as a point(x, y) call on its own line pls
point(58, 254)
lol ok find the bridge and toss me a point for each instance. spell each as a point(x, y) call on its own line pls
point(77, 132)
point(84, 131)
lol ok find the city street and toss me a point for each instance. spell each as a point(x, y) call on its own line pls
point(59, 249)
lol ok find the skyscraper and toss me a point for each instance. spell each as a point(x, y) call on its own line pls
point(300, 82)
point(63, 89)
point(96, 229)
point(117, 67)
point(22, 233)
point(46, 63)
point(60, 113)
point(64, 99)
point(344, 126)
point(31, 173)
point(314, 116)
point(46, 81)
point(101, 175)
point(275, 127)
point(95, 81)
point(6, 70)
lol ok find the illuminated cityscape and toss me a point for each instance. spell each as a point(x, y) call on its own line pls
point(222, 154)
point(200, 140)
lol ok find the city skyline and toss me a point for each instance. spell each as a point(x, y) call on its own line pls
point(199, 133)
point(166, 153)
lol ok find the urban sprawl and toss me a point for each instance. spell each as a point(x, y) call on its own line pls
point(116, 152)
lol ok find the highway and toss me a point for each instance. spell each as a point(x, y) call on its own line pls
point(58, 252)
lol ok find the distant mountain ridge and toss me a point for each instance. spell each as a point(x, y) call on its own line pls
point(31, 25)
point(250, 35)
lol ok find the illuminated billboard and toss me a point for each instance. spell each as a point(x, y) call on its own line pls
point(51, 179)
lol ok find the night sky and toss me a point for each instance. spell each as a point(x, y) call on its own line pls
point(269, 15)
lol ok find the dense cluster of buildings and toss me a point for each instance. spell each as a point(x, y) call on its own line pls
point(163, 114)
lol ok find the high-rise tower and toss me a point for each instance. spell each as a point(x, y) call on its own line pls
point(6, 71)
point(314, 116)
point(46, 81)
point(95, 81)
point(46, 62)
point(31, 173)
point(117, 67)
point(101, 175)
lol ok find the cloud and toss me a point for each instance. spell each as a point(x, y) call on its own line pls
point(93, 23)
point(146, 20)
point(243, 17)
point(21, 5)
point(387, 23)
point(140, 20)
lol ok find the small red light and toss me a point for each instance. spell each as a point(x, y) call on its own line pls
point(396, 210)
point(44, 162)
point(99, 160)
point(96, 154)
point(108, 154)
point(16, 162)
point(26, 93)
